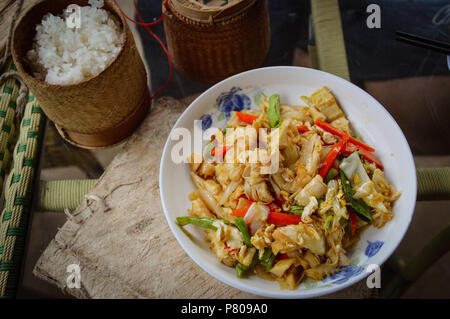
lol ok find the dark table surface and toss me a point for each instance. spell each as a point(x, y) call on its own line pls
point(412, 83)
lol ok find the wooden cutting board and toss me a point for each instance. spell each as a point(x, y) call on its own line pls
point(119, 236)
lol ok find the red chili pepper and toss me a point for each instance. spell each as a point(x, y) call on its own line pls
point(353, 220)
point(284, 256)
point(302, 128)
point(241, 212)
point(330, 128)
point(331, 156)
point(350, 148)
point(245, 117)
point(280, 219)
point(220, 150)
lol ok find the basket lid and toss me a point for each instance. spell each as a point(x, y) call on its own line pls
point(210, 10)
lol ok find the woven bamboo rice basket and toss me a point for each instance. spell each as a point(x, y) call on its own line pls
point(208, 43)
point(100, 111)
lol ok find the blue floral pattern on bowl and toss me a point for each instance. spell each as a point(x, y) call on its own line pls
point(206, 121)
point(232, 101)
point(373, 248)
point(344, 275)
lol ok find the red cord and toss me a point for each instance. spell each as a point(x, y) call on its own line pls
point(146, 26)
point(166, 4)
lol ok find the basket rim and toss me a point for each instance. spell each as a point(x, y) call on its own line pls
point(215, 15)
point(109, 6)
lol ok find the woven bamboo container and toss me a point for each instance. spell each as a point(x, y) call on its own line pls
point(208, 43)
point(100, 111)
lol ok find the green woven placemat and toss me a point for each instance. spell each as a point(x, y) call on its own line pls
point(330, 54)
point(18, 196)
point(9, 91)
point(433, 183)
point(59, 195)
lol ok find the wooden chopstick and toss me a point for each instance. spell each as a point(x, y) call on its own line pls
point(422, 42)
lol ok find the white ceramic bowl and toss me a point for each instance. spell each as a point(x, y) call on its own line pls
point(368, 118)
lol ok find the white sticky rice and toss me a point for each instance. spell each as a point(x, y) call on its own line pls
point(63, 55)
